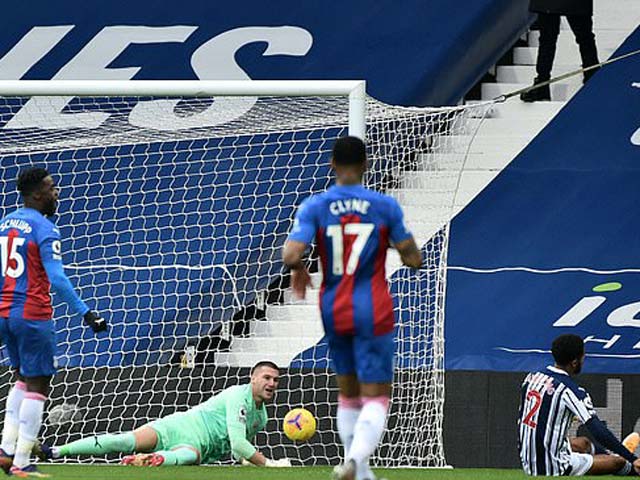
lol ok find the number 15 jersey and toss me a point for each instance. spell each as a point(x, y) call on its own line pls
point(352, 226)
point(31, 263)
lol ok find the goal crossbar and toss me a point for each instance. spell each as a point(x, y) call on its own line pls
point(354, 89)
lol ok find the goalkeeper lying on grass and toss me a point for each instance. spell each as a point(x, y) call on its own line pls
point(206, 433)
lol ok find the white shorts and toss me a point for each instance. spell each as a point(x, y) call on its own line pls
point(580, 463)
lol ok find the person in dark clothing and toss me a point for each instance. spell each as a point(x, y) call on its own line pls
point(579, 14)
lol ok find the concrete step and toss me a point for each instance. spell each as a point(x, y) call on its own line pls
point(505, 144)
point(249, 359)
point(422, 234)
point(412, 197)
point(513, 109)
point(437, 161)
point(471, 182)
point(609, 39)
point(286, 328)
point(416, 217)
point(526, 73)
point(316, 280)
point(611, 15)
point(559, 91)
point(502, 126)
point(274, 345)
point(438, 181)
point(310, 299)
point(454, 142)
point(413, 200)
point(565, 54)
point(309, 313)
point(615, 14)
point(432, 203)
point(455, 162)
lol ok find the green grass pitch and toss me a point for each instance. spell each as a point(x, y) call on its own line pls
point(82, 472)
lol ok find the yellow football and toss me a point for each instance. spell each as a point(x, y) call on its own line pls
point(299, 424)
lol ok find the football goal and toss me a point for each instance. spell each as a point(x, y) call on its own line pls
point(176, 198)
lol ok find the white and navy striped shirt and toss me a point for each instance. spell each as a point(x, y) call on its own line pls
point(549, 402)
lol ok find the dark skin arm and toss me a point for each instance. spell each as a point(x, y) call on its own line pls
point(292, 258)
point(409, 253)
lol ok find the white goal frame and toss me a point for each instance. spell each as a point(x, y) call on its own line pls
point(416, 156)
point(354, 89)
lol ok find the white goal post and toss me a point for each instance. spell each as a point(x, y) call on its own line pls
point(355, 90)
point(176, 197)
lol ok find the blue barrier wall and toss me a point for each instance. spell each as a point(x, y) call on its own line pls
point(570, 199)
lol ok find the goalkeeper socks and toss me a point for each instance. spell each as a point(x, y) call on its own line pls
point(348, 412)
point(30, 422)
point(99, 445)
point(12, 418)
point(179, 456)
point(369, 428)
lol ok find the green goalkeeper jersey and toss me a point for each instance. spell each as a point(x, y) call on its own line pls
point(226, 423)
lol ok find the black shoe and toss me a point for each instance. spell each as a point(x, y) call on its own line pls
point(42, 451)
point(589, 73)
point(537, 94)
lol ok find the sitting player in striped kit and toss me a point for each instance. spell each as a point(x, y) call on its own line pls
point(204, 434)
point(550, 400)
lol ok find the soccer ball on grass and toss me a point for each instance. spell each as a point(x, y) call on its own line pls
point(299, 425)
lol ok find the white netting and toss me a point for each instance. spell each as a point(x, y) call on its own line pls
point(173, 214)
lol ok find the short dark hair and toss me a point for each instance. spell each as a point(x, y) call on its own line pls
point(264, 363)
point(349, 151)
point(567, 348)
point(30, 179)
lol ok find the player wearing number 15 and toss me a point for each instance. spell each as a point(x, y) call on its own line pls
point(31, 263)
point(353, 228)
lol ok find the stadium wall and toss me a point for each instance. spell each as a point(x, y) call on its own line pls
point(414, 52)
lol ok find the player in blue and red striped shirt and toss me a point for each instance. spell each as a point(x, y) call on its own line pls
point(31, 265)
point(353, 227)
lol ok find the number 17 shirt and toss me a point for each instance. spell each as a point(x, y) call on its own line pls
point(353, 227)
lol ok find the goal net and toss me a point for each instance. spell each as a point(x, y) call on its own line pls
point(173, 211)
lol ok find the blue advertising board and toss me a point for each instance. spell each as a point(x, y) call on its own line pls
point(551, 246)
point(414, 52)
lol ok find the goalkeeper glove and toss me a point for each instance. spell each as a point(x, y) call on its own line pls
point(95, 321)
point(283, 462)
